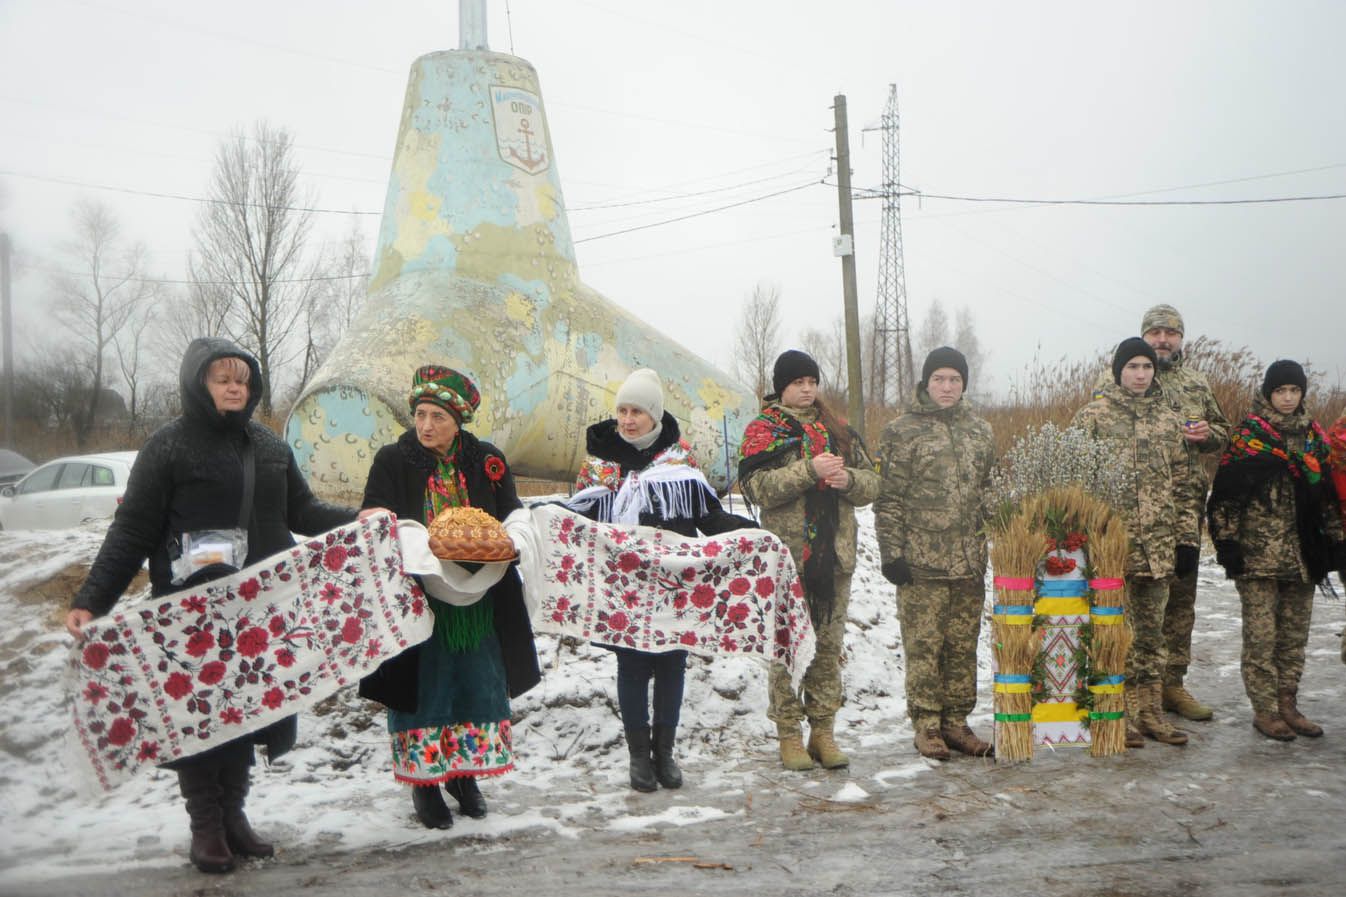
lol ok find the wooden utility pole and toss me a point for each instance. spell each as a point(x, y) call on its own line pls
point(845, 247)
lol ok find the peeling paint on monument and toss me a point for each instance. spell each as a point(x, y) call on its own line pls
point(475, 268)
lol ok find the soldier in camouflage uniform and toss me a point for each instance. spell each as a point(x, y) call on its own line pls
point(1132, 415)
point(807, 472)
point(936, 468)
point(1277, 531)
point(1205, 430)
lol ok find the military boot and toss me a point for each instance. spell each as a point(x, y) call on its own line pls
point(793, 756)
point(1152, 721)
point(200, 788)
point(1133, 737)
point(823, 747)
point(962, 739)
point(1272, 726)
point(235, 782)
point(642, 764)
point(1301, 724)
point(1179, 700)
point(930, 743)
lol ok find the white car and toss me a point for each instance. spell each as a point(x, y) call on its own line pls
point(65, 492)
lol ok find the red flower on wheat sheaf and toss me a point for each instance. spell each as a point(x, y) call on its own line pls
point(739, 585)
point(1058, 566)
point(335, 558)
point(766, 586)
point(179, 685)
point(628, 561)
point(738, 613)
point(96, 655)
point(199, 642)
point(495, 468)
point(212, 672)
point(618, 622)
point(121, 731)
point(703, 596)
point(273, 698)
point(352, 630)
point(253, 641)
point(249, 589)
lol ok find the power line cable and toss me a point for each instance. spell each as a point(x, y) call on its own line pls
point(733, 205)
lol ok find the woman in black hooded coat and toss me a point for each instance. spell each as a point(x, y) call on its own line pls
point(193, 475)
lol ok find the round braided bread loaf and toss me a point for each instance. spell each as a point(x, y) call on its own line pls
point(469, 534)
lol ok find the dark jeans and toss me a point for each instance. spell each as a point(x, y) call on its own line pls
point(634, 671)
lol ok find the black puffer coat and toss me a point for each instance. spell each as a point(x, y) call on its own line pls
point(189, 477)
point(397, 481)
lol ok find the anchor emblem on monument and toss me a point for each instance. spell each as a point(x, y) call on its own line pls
point(527, 159)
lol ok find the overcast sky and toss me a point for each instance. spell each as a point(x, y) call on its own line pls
point(691, 106)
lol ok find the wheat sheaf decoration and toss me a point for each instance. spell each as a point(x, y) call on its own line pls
point(1059, 628)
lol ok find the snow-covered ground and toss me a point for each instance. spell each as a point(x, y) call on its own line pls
point(335, 791)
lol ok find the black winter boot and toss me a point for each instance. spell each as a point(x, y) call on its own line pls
point(642, 766)
point(430, 807)
point(464, 790)
point(200, 788)
point(235, 782)
point(665, 767)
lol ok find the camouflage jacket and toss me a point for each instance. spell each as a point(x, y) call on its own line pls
point(1262, 521)
point(779, 493)
point(1189, 394)
point(1162, 511)
point(936, 471)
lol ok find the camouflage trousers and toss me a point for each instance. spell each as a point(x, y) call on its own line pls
point(1276, 616)
point(1179, 619)
point(941, 621)
point(1146, 599)
point(822, 695)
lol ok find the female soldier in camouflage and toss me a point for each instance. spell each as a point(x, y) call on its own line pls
point(1277, 531)
point(1131, 415)
point(937, 461)
point(808, 472)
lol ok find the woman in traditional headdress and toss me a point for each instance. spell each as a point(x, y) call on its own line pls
point(808, 471)
point(448, 698)
point(1277, 531)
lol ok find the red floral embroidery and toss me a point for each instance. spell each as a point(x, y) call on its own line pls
point(628, 561)
point(273, 698)
point(766, 587)
point(335, 558)
point(231, 716)
point(740, 586)
point(194, 603)
point(351, 630)
point(253, 642)
point(285, 657)
point(703, 596)
point(688, 638)
point(738, 613)
point(121, 731)
point(178, 686)
point(93, 693)
point(711, 549)
point(213, 672)
point(249, 589)
point(96, 655)
point(199, 642)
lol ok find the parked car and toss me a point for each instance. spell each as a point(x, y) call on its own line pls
point(13, 467)
point(65, 492)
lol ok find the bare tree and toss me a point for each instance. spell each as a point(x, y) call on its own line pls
point(333, 305)
point(250, 243)
point(965, 340)
point(934, 332)
point(98, 299)
point(828, 348)
point(130, 347)
point(757, 342)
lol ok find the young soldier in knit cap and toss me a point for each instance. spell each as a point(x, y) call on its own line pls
point(641, 471)
point(1132, 416)
point(808, 471)
point(1205, 431)
point(1277, 532)
point(936, 469)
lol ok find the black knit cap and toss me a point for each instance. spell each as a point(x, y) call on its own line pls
point(1284, 373)
point(944, 357)
point(1127, 349)
point(790, 366)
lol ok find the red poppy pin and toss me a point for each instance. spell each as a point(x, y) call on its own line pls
point(495, 468)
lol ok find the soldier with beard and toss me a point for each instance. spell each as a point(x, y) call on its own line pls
point(1205, 430)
